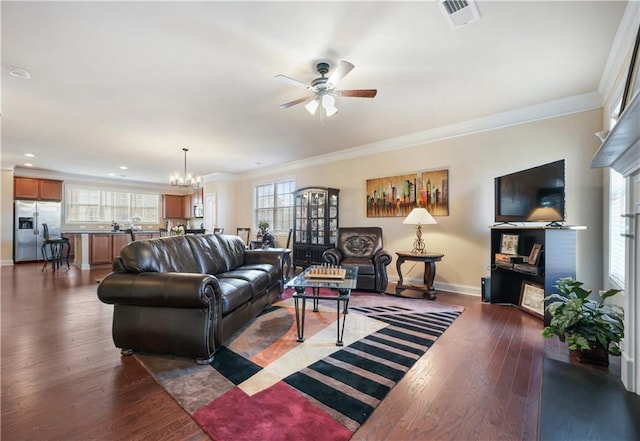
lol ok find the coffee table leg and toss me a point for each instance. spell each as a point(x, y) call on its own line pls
point(299, 314)
point(316, 301)
point(344, 292)
point(340, 329)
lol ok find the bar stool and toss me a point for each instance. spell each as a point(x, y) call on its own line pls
point(56, 247)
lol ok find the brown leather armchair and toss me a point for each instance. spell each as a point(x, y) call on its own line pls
point(362, 247)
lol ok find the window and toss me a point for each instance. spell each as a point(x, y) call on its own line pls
point(616, 228)
point(273, 203)
point(85, 205)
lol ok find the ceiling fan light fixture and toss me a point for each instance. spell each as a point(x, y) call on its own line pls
point(329, 105)
point(312, 106)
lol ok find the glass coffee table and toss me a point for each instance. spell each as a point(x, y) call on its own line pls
point(308, 287)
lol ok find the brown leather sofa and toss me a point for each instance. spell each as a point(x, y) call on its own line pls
point(186, 295)
point(362, 247)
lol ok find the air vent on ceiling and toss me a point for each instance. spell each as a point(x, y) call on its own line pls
point(459, 12)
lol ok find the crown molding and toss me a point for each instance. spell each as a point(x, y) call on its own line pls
point(552, 109)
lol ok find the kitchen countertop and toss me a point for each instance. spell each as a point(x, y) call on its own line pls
point(105, 231)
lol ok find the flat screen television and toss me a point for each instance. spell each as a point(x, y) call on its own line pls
point(533, 195)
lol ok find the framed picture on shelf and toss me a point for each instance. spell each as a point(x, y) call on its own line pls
point(509, 244)
point(532, 299)
point(534, 255)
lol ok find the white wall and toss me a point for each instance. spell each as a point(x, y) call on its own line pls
point(473, 162)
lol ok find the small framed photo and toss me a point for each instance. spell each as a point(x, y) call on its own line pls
point(509, 244)
point(534, 255)
point(532, 299)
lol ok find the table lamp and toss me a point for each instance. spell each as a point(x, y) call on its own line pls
point(546, 214)
point(419, 216)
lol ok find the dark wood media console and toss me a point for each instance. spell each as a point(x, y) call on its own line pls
point(557, 259)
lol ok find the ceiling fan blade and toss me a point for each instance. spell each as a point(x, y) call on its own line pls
point(293, 81)
point(357, 93)
point(341, 71)
point(306, 99)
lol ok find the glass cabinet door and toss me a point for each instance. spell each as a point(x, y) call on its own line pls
point(333, 218)
point(302, 226)
point(316, 217)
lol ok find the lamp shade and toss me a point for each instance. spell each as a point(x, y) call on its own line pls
point(419, 216)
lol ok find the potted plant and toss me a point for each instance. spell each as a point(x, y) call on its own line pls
point(592, 329)
point(263, 226)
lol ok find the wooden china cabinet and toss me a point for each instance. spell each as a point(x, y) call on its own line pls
point(315, 224)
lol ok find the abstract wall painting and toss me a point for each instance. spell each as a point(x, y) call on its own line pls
point(396, 196)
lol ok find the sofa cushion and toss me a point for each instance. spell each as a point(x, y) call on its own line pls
point(259, 280)
point(162, 255)
point(364, 264)
point(267, 268)
point(234, 293)
point(232, 249)
point(208, 252)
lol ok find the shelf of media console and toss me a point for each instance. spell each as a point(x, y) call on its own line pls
point(503, 226)
point(522, 268)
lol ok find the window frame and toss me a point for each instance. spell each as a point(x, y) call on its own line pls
point(281, 205)
point(108, 203)
point(616, 269)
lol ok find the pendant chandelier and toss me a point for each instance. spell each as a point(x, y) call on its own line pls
point(187, 180)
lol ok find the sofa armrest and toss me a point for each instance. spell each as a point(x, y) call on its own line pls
point(177, 290)
point(273, 256)
point(333, 256)
point(381, 259)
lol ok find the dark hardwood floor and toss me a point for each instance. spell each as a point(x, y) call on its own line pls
point(62, 378)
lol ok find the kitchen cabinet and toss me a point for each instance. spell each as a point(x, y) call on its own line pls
point(104, 247)
point(37, 189)
point(173, 206)
point(198, 197)
point(187, 206)
point(117, 242)
point(100, 248)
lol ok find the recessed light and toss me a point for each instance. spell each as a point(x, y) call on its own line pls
point(23, 74)
point(111, 174)
point(26, 164)
point(124, 167)
point(30, 155)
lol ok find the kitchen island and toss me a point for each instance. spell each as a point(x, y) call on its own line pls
point(100, 247)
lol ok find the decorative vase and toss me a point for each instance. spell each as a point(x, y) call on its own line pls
point(597, 355)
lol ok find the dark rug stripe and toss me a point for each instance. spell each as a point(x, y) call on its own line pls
point(358, 382)
point(383, 353)
point(396, 345)
point(438, 318)
point(234, 367)
point(368, 365)
point(395, 332)
point(345, 404)
point(409, 327)
point(422, 321)
point(374, 309)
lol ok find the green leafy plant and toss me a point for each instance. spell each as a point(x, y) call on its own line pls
point(263, 226)
point(582, 322)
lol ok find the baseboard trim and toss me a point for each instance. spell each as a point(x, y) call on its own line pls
point(458, 289)
point(6, 262)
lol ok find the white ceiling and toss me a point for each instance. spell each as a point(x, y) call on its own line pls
point(131, 83)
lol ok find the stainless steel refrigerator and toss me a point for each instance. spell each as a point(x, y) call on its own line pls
point(27, 235)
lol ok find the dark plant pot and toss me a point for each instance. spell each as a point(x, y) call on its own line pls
point(597, 355)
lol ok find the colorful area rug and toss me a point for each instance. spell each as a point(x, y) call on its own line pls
point(263, 385)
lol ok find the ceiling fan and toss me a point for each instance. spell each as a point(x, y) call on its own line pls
point(324, 89)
